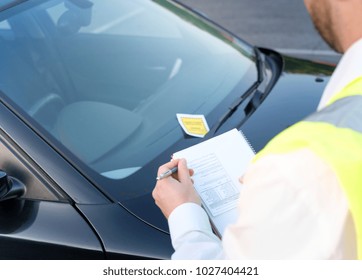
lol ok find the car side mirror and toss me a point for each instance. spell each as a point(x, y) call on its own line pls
point(10, 187)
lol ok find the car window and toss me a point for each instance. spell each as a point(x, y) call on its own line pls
point(132, 18)
point(103, 80)
point(4, 25)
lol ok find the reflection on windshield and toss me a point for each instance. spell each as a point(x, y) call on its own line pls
point(106, 78)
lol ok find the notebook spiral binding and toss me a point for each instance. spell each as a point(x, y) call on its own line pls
point(247, 141)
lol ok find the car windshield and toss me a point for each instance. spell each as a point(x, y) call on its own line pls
point(102, 81)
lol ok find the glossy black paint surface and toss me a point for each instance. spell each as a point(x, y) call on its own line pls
point(126, 233)
point(65, 215)
point(45, 230)
point(295, 96)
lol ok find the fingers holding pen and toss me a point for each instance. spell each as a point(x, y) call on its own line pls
point(174, 190)
point(183, 172)
point(178, 168)
point(167, 166)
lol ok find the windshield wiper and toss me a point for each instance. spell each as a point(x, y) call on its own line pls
point(253, 90)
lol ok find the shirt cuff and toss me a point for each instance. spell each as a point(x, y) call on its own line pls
point(188, 217)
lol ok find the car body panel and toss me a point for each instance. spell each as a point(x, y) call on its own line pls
point(45, 230)
point(126, 237)
point(294, 96)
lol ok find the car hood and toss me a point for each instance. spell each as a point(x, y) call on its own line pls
point(295, 95)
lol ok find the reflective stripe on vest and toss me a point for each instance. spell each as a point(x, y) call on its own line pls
point(335, 135)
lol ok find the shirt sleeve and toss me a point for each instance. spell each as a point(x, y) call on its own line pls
point(191, 234)
point(291, 207)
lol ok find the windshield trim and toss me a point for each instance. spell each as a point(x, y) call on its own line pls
point(11, 4)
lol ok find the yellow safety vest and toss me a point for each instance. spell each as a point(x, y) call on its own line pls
point(335, 135)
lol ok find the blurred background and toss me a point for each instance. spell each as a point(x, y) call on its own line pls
point(283, 25)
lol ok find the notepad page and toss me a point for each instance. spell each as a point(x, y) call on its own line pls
point(218, 164)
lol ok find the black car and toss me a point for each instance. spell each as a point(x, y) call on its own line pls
point(89, 93)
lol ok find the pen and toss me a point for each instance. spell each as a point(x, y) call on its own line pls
point(167, 173)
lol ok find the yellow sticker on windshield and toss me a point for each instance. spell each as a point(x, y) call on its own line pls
point(194, 125)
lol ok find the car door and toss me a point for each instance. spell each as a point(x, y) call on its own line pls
point(42, 223)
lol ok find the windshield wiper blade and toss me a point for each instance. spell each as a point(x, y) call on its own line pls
point(260, 64)
point(232, 108)
point(250, 91)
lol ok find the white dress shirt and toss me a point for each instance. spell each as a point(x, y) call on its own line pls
point(283, 215)
point(348, 69)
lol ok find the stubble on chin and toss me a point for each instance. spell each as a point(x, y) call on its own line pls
point(322, 19)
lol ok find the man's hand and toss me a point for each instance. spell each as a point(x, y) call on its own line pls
point(175, 190)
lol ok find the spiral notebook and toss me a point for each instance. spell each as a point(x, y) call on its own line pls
point(218, 164)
